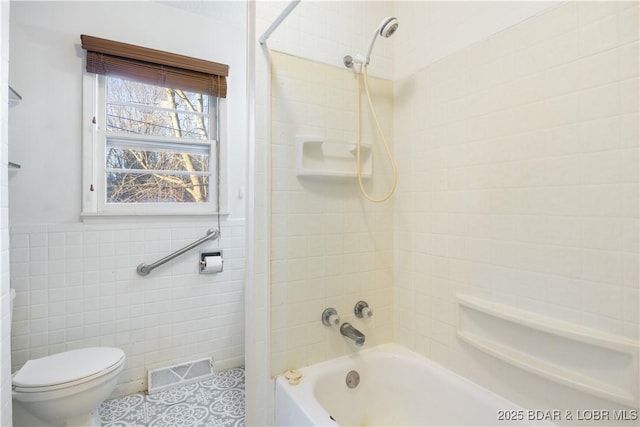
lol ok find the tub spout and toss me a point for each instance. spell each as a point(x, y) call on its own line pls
point(352, 333)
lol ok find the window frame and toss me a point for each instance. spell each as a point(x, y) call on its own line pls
point(94, 139)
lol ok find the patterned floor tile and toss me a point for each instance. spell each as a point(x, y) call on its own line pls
point(215, 402)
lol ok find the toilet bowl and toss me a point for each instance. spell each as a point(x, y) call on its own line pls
point(65, 389)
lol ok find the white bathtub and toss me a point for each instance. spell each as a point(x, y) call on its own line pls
point(397, 388)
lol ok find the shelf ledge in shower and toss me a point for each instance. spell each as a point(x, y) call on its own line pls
point(573, 355)
point(318, 157)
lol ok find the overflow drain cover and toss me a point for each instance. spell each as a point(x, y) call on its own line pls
point(353, 379)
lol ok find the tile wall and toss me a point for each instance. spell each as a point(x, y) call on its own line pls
point(329, 246)
point(77, 286)
point(519, 184)
point(491, 143)
point(432, 30)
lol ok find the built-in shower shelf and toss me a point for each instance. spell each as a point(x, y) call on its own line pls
point(582, 358)
point(316, 156)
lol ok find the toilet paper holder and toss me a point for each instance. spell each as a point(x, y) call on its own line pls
point(204, 268)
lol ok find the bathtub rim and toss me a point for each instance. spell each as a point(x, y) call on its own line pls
point(315, 412)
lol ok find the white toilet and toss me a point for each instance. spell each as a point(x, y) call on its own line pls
point(65, 389)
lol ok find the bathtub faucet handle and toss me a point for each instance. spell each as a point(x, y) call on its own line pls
point(362, 310)
point(330, 317)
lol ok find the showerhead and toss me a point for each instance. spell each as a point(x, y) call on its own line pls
point(387, 28)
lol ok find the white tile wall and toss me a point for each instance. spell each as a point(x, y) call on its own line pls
point(519, 159)
point(461, 209)
point(432, 30)
point(77, 286)
point(329, 246)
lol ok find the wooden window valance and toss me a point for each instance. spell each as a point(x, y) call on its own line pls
point(155, 67)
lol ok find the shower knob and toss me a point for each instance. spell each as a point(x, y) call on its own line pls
point(362, 310)
point(330, 317)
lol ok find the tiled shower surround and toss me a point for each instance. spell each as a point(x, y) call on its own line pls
point(77, 286)
point(518, 161)
point(519, 184)
point(330, 248)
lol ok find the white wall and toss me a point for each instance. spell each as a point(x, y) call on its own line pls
point(76, 282)
point(519, 162)
point(5, 330)
point(45, 127)
point(326, 31)
point(432, 30)
point(259, 409)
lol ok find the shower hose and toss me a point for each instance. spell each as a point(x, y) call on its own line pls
point(382, 136)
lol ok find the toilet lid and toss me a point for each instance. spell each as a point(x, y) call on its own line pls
point(67, 367)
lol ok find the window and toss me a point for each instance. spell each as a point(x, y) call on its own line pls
point(150, 147)
point(159, 143)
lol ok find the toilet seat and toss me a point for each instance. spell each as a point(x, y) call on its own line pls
point(67, 369)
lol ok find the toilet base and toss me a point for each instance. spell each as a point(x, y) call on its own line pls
point(87, 420)
point(23, 418)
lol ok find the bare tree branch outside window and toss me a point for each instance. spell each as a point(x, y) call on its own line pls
point(170, 162)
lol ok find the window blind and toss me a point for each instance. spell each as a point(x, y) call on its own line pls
point(155, 67)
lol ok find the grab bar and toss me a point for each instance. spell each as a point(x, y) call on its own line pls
point(144, 269)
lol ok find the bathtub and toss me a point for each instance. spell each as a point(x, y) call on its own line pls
point(397, 387)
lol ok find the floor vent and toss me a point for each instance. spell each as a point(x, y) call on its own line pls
point(164, 378)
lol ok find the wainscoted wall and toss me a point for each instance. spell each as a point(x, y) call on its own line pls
point(519, 184)
point(77, 286)
point(76, 281)
point(330, 247)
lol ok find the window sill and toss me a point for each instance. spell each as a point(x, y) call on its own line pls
point(115, 217)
